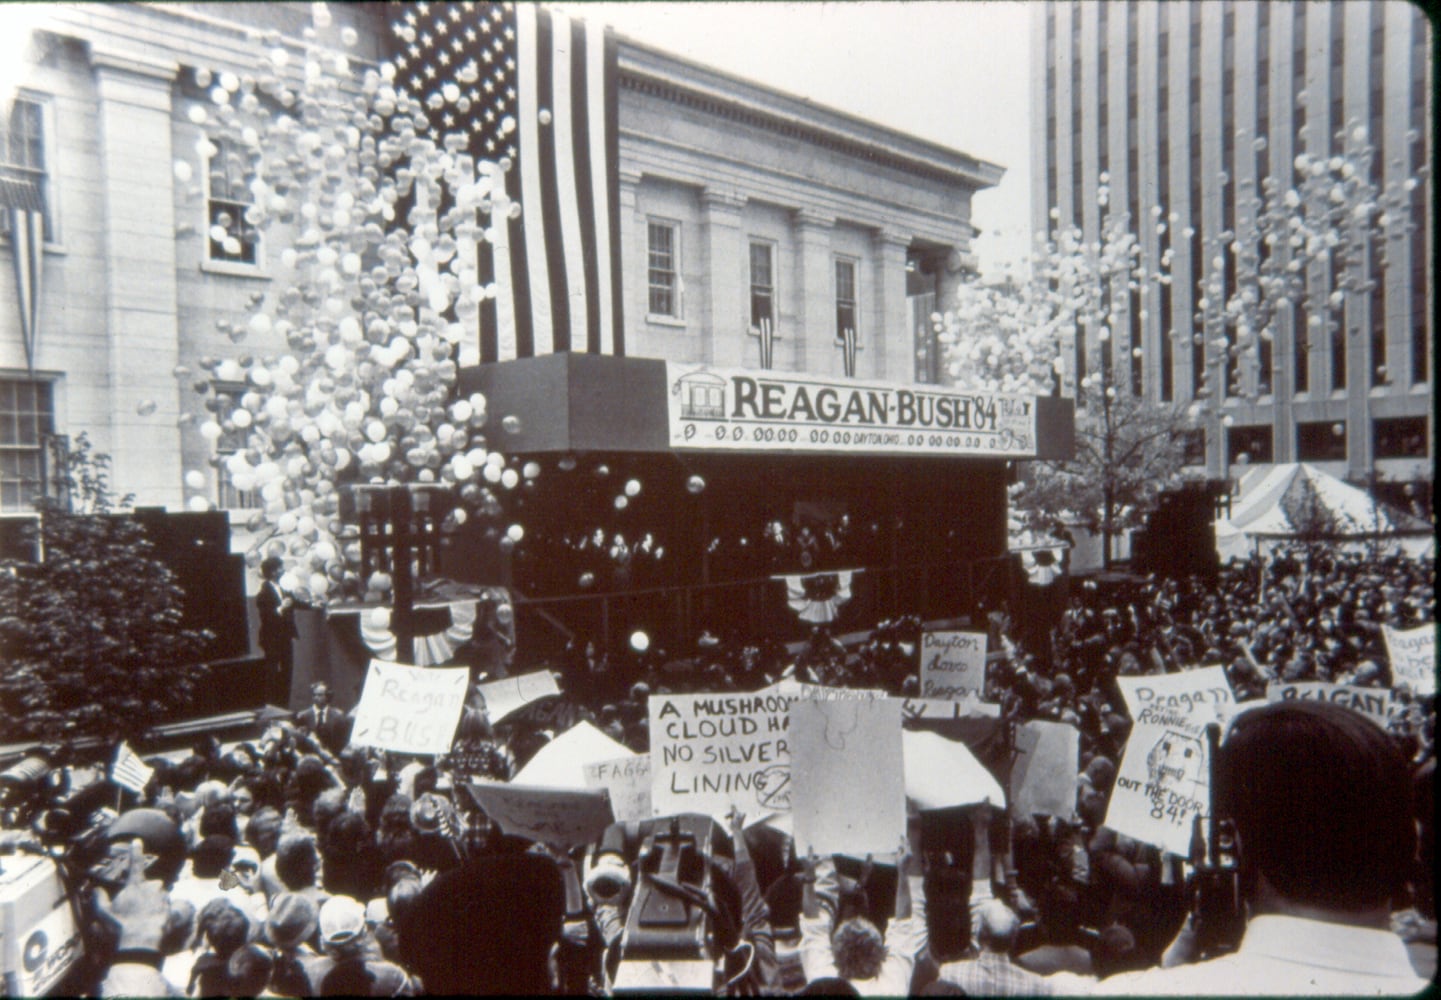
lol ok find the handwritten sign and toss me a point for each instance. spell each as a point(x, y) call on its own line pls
point(792, 688)
point(1413, 657)
point(848, 775)
point(627, 781)
point(1164, 779)
point(953, 664)
point(940, 708)
point(1203, 688)
point(409, 709)
point(1376, 704)
point(562, 817)
point(1043, 777)
point(510, 694)
point(712, 751)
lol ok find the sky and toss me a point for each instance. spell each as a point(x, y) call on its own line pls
point(951, 71)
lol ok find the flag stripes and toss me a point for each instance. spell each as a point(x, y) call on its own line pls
point(129, 771)
point(25, 207)
point(541, 96)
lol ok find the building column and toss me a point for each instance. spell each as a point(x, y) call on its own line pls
point(814, 338)
point(142, 330)
point(725, 318)
point(633, 250)
point(889, 342)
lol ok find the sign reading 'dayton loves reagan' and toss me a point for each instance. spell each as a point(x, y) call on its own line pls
point(953, 665)
point(737, 409)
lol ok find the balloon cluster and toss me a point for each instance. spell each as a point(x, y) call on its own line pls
point(353, 376)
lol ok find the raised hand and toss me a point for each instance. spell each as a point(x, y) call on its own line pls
point(140, 908)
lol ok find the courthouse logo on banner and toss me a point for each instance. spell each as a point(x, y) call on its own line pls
point(765, 411)
point(709, 752)
point(409, 709)
point(1413, 657)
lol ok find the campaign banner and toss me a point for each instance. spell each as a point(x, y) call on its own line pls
point(1043, 777)
point(1164, 779)
point(561, 817)
point(741, 410)
point(1200, 689)
point(710, 752)
point(510, 694)
point(1413, 657)
point(953, 665)
point(409, 709)
point(627, 781)
point(1376, 704)
point(848, 776)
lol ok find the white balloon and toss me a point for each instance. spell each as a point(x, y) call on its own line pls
point(195, 479)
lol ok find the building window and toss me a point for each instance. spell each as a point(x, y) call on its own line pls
point(763, 283)
point(231, 441)
point(1252, 442)
point(23, 160)
point(845, 297)
point(663, 242)
point(1193, 446)
point(27, 419)
point(233, 239)
point(1321, 441)
point(1401, 437)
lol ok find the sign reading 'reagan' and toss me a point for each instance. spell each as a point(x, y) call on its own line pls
point(746, 410)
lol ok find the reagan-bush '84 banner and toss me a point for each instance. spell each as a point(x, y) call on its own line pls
point(737, 409)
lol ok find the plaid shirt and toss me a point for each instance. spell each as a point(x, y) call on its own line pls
point(992, 975)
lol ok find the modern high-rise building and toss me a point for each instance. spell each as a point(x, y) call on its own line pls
point(1182, 110)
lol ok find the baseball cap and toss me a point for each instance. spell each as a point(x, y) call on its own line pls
point(342, 919)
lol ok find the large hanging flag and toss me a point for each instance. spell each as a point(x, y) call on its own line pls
point(533, 89)
point(25, 207)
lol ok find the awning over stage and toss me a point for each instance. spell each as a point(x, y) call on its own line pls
point(585, 402)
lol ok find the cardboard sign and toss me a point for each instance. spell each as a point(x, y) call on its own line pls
point(627, 781)
point(953, 664)
point(1164, 779)
point(561, 762)
point(1043, 777)
point(709, 752)
point(1413, 657)
point(562, 817)
point(1376, 704)
point(509, 694)
point(941, 773)
point(409, 709)
point(848, 776)
point(1203, 688)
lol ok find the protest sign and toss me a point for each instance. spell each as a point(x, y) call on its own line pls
point(709, 752)
point(941, 773)
point(508, 694)
point(561, 762)
point(792, 688)
point(627, 781)
point(1043, 777)
point(409, 709)
point(1202, 688)
point(940, 708)
point(1374, 703)
point(1164, 779)
point(563, 817)
point(1413, 657)
point(953, 664)
point(849, 781)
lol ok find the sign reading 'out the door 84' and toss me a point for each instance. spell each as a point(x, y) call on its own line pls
point(742, 410)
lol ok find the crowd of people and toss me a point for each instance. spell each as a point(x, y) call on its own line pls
point(296, 865)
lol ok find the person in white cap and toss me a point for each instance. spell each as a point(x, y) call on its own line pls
point(353, 961)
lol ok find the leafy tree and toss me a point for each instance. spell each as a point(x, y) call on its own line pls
point(1018, 339)
point(92, 631)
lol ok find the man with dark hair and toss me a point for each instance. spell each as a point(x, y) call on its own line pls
point(1322, 804)
point(277, 630)
point(329, 725)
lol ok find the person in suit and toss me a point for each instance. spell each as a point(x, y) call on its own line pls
point(329, 725)
point(277, 630)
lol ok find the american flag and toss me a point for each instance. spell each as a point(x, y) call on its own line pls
point(129, 770)
point(24, 205)
point(849, 344)
point(537, 88)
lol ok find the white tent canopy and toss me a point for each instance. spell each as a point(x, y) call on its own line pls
point(1281, 504)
